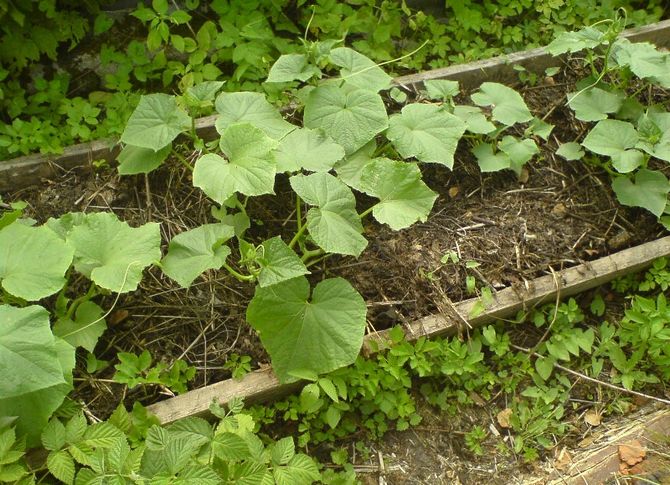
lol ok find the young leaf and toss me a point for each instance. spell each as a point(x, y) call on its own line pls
point(283, 451)
point(650, 190)
point(540, 128)
point(350, 168)
point(594, 104)
point(508, 105)
point(617, 140)
point(33, 261)
point(134, 160)
point(86, 328)
point(61, 466)
point(156, 121)
point(203, 93)
point(518, 151)
point(321, 334)
point(279, 263)
point(475, 121)
point(193, 252)
point(441, 89)
point(403, 197)
point(334, 223)
point(426, 132)
point(307, 149)
point(488, 160)
point(292, 67)
point(586, 38)
point(359, 71)
point(113, 254)
point(570, 151)
point(644, 60)
point(249, 167)
point(351, 118)
point(253, 108)
point(27, 348)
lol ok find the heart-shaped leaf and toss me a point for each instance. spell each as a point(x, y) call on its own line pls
point(193, 252)
point(475, 121)
point(249, 167)
point(307, 149)
point(292, 67)
point(359, 71)
point(86, 327)
point(111, 253)
point(319, 335)
point(586, 38)
point(650, 191)
point(518, 151)
point(403, 197)
point(156, 121)
point(507, 104)
point(594, 104)
point(350, 168)
point(33, 261)
point(644, 60)
point(279, 263)
point(253, 108)
point(134, 160)
point(441, 89)
point(426, 132)
point(570, 151)
point(334, 223)
point(488, 160)
point(617, 140)
point(351, 117)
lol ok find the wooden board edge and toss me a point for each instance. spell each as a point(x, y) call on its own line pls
point(22, 171)
point(262, 384)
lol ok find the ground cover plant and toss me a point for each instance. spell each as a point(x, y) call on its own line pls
point(344, 134)
point(71, 72)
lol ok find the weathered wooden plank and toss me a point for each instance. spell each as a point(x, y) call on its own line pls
point(29, 170)
point(263, 385)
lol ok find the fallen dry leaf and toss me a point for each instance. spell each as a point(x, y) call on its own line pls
point(563, 459)
point(453, 191)
point(503, 417)
point(632, 452)
point(592, 417)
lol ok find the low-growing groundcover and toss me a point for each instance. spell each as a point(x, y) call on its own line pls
point(309, 318)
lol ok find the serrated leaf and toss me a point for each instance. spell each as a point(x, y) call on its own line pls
point(103, 435)
point(426, 132)
point(333, 416)
point(113, 254)
point(351, 118)
point(249, 167)
point(441, 89)
point(230, 447)
point(279, 263)
point(61, 466)
point(33, 261)
point(329, 388)
point(617, 140)
point(570, 151)
point(134, 160)
point(403, 197)
point(508, 106)
point(292, 67)
point(27, 348)
point(518, 151)
point(334, 223)
point(488, 160)
point(53, 435)
point(309, 150)
point(349, 169)
point(595, 104)
point(283, 451)
point(75, 428)
point(359, 71)
point(193, 252)
point(302, 469)
point(196, 429)
point(649, 190)
point(321, 334)
point(250, 108)
point(156, 122)
point(475, 121)
point(86, 328)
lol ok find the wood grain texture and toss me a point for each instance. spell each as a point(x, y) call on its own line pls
point(30, 170)
point(263, 385)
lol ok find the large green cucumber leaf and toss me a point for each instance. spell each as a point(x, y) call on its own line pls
point(617, 140)
point(253, 108)
point(403, 197)
point(111, 253)
point(518, 151)
point(350, 168)
point(134, 160)
point(426, 132)
point(35, 408)
point(27, 351)
point(508, 106)
point(33, 261)
point(359, 71)
point(86, 327)
point(307, 149)
point(644, 60)
point(586, 38)
point(351, 117)
point(334, 223)
point(193, 252)
point(249, 166)
point(317, 335)
point(292, 67)
point(279, 263)
point(595, 104)
point(649, 190)
point(156, 121)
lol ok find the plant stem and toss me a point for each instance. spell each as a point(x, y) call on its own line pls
point(181, 158)
point(297, 236)
point(367, 211)
point(298, 211)
point(239, 276)
point(311, 253)
point(92, 291)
